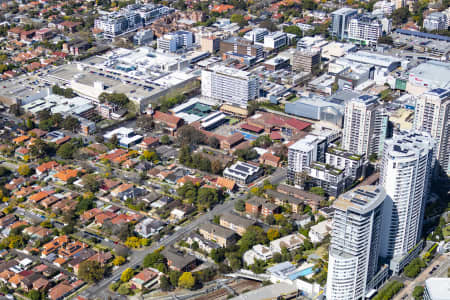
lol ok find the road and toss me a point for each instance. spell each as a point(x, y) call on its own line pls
point(100, 290)
point(443, 261)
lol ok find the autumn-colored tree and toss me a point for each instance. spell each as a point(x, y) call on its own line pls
point(119, 260)
point(273, 234)
point(186, 280)
point(127, 275)
point(24, 170)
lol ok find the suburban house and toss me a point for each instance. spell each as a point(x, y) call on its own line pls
point(145, 278)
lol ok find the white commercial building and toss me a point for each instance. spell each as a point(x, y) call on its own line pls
point(435, 21)
point(229, 85)
point(302, 153)
point(143, 37)
point(437, 289)
point(365, 125)
point(431, 75)
point(432, 114)
point(365, 29)
point(130, 18)
point(385, 6)
point(275, 40)
point(174, 41)
point(256, 35)
point(405, 175)
point(355, 242)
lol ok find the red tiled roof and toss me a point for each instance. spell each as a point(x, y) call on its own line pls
point(297, 124)
point(276, 135)
point(169, 120)
point(253, 128)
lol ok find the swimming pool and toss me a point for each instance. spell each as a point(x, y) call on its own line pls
point(304, 272)
point(247, 136)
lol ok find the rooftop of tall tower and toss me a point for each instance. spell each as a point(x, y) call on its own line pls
point(360, 199)
point(409, 143)
point(439, 92)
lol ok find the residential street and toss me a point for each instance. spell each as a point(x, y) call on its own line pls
point(101, 290)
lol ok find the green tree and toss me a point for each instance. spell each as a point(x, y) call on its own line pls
point(213, 142)
point(418, 292)
point(252, 236)
point(144, 122)
point(207, 198)
point(263, 141)
point(239, 19)
point(71, 123)
point(91, 182)
point(239, 205)
point(164, 284)
point(152, 259)
point(34, 295)
point(165, 140)
point(400, 16)
point(269, 25)
point(66, 151)
point(123, 289)
point(189, 135)
point(91, 271)
point(174, 276)
point(186, 280)
point(317, 190)
point(293, 29)
point(39, 148)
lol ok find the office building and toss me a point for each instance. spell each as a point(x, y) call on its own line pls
point(256, 35)
point(385, 6)
point(143, 37)
point(275, 40)
point(432, 115)
point(365, 29)
point(302, 153)
point(405, 175)
point(435, 21)
point(130, 18)
point(340, 22)
point(174, 41)
point(365, 125)
point(229, 85)
point(241, 46)
point(304, 60)
point(437, 289)
point(210, 44)
point(355, 242)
